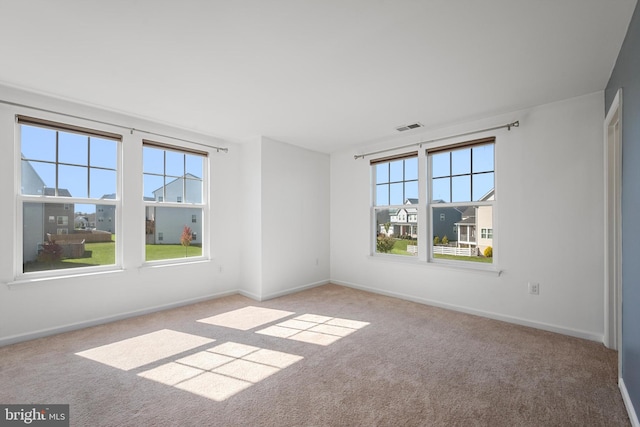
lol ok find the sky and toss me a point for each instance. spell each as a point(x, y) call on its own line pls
point(87, 164)
point(462, 175)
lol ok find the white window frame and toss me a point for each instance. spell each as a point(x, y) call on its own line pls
point(204, 205)
point(425, 212)
point(431, 206)
point(375, 207)
point(63, 124)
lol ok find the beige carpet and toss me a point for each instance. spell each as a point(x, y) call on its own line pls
point(329, 356)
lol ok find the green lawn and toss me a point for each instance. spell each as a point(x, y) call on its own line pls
point(400, 247)
point(104, 253)
point(158, 252)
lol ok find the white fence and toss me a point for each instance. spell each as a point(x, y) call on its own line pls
point(447, 250)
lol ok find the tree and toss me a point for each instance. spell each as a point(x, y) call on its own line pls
point(185, 239)
point(436, 240)
point(445, 240)
point(386, 227)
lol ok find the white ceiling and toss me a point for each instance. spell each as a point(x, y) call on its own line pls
point(324, 74)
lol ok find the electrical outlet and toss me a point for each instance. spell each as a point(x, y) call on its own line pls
point(534, 288)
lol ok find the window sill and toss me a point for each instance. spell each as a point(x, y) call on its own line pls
point(452, 265)
point(174, 262)
point(23, 281)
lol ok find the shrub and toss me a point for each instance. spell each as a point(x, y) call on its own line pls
point(488, 252)
point(436, 240)
point(51, 252)
point(385, 244)
point(445, 240)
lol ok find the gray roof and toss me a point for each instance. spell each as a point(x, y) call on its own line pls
point(62, 192)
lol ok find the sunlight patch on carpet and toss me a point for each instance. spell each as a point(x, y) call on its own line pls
point(222, 371)
point(144, 349)
point(314, 329)
point(246, 318)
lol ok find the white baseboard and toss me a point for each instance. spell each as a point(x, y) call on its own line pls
point(510, 319)
point(633, 415)
point(102, 320)
point(293, 290)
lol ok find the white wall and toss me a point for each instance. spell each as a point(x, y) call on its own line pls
point(548, 224)
point(251, 213)
point(38, 308)
point(295, 218)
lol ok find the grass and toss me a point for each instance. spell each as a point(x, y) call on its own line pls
point(400, 247)
point(104, 253)
point(158, 252)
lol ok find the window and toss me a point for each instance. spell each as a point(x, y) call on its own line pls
point(66, 172)
point(486, 233)
point(462, 190)
point(395, 198)
point(174, 196)
point(459, 182)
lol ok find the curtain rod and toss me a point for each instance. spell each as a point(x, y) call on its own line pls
point(508, 126)
point(15, 104)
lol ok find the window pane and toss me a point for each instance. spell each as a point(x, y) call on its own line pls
point(174, 189)
point(396, 197)
point(103, 153)
point(382, 173)
point(461, 188)
point(172, 233)
point(483, 158)
point(456, 233)
point(411, 169)
point(153, 160)
point(482, 185)
point(396, 171)
point(193, 191)
point(38, 143)
point(440, 165)
point(461, 161)
point(397, 231)
point(64, 235)
point(175, 163)
point(441, 190)
point(72, 181)
point(37, 176)
point(194, 165)
point(102, 184)
point(382, 194)
point(411, 191)
point(153, 187)
point(73, 148)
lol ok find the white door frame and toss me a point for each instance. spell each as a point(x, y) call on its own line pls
point(613, 226)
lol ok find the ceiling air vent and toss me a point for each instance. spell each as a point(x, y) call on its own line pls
point(409, 127)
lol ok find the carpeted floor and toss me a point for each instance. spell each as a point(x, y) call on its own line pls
point(329, 356)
